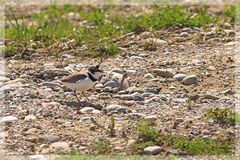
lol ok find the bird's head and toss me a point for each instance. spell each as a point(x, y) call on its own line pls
point(95, 71)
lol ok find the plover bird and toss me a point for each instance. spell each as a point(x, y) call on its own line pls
point(83, 82)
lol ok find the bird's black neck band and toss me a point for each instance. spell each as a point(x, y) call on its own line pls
point(91, 77)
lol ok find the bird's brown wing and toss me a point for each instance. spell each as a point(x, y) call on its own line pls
point(74, 78)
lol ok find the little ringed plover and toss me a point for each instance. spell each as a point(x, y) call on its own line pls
point(82, 82)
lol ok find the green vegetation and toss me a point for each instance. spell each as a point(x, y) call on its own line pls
point(148, 136)
point(104, 157)
point(111, 127)
point(223, 116)
point(96, 27)
point(102, 146)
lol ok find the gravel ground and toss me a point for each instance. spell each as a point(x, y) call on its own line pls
point(43, 117)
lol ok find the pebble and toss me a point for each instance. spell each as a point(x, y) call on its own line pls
point(50, 84)
point(112, 84)
point(134, 89)
point(85, 119)
point(153, 89)
point(195, 131)
point(99, 85)
point(165, 73)
point(126, 97)
point(104, 80)
point(60, 146)
point(73, 16)
point(137, 96)
point(50, 138)
point(131, 142)
point(4, 79)
point(116, 108)
point(206, 132)
point(192, 79)
point(117, 70)
point(149, 75)
point(147, 94)
point(152, 150)
point(51, 73)
point(156, 41)
point(179, 76)
point(163, 98)
point(9, 119)
point(37, 157)
point(151, 118)
point(30, 118)
point(31, 131)
point(35, 55)
point(67, 56)
point(87, 110)
point(184, 34)
point(210, 96)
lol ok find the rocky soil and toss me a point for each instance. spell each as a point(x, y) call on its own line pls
point(163, 70)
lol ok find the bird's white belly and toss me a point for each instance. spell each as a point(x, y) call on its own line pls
point(81, 85)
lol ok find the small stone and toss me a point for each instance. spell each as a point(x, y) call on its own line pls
point(35, 55)
point(147, 94)
point(184, 34)
point(148, 75)
point(134, 89)
point(122, 92)
point(31, 131)
point(137, 96)
point(115, 108)
point(51, 73)
point(126, 97)
point(211, 96)
point(37, 157)
point(93, 127)
point(50, 138)
point(117, 70)
point(163, 98)
point(104, 80)
point(152, 150)
point(151, 118)
point(4, 79)
point(206, 132)
point(67, 56)
point(87, 110)
point(60, 146)
point(179, 76)
point(173, 151)
point(195, 131)
point(118, 148)
point(211, 122)
point(85, 119)
point(172, 88)
point(227, 92)
point(50, 84)
point(231, 43)
point(131, 142)
point(30, 118)
point(156, 41)
point(165, 73)
point(9, 119)
point(153, 89)
point(73, 16)
point(99, 85)
point(108, 89)
point(190, 80)
point(112, 84)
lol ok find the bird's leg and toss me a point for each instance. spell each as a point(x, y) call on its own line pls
point(85, 96)
point(75, 93)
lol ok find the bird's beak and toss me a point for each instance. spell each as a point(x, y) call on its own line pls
point(100, 70)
